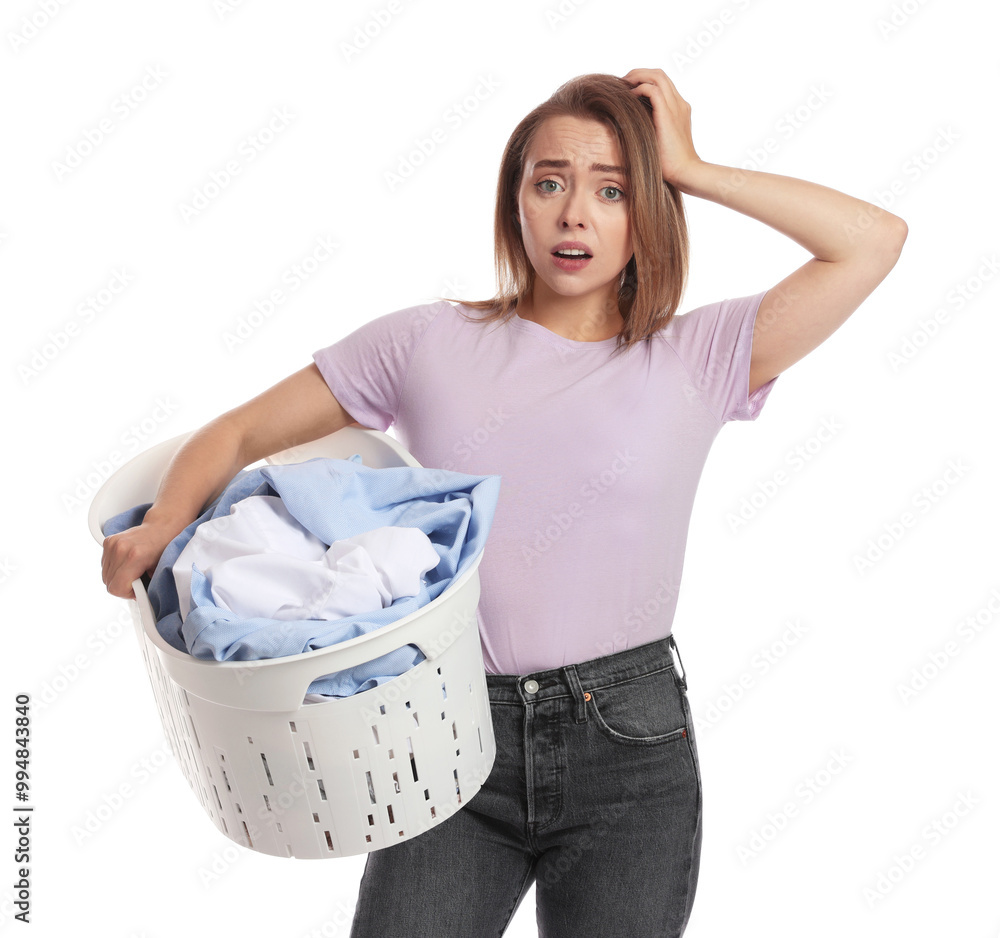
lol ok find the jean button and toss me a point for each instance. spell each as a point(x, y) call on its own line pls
point(531, 686)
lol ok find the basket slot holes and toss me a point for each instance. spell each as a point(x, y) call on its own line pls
point(315, 817)
point(267, 801)
point(413, 760)
point(444, 692)
point(427, 794)
point(218, 801)
point(225, 778)
point(480, 739)
point(375, 733)
point(371, 788)
point(381, 709)
point(356, 756)
point(309, 758)
point(368, 838)
point(270, 781)
point(458, 791)
point(416, 720)
point(292, 725)
point(454, 730)
point(329, 841)
point(250, 740)
point(395, 782)
point(246, 830)
point(322, 790)
point(391, 756)
point(433, 811)
point(239, 807)
point(222, 818)
point(371, 821)
point(439, 670)
point(388, 808)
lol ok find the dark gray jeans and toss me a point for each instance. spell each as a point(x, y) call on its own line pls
point(595, 796)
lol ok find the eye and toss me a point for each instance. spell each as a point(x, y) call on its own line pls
point(538, 185)
point(620, 198)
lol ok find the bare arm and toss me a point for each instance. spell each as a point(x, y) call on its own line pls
point(297, 410)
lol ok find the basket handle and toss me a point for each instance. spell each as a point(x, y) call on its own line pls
point(279, 684)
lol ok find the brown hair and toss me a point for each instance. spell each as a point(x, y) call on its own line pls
point(654, 278)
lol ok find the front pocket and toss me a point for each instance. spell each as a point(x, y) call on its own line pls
point(642, 711)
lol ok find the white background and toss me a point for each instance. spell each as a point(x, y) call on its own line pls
point(906, 119)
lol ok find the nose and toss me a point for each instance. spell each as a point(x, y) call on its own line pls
point(574, 213)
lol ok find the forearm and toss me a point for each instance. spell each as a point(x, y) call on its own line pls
point(199, 472)
point(829, 224)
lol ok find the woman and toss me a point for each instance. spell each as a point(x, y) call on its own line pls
point(597, 407)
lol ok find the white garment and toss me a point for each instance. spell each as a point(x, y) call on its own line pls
point(259, 561)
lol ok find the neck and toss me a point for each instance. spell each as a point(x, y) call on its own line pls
point(581, 318)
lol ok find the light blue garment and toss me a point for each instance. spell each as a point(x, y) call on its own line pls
point(334, 499)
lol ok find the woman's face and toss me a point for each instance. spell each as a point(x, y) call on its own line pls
point(575, 202)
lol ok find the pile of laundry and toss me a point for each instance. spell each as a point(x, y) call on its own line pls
point(293, 558)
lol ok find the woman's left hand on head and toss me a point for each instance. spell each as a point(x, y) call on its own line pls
point(671, 118)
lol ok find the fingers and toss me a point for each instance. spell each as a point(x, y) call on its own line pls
point(123, 561)
point(652, 76)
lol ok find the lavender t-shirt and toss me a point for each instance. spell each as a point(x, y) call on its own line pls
point(599, 458)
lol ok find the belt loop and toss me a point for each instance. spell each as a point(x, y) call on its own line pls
point(682, 678)
point(574, 685)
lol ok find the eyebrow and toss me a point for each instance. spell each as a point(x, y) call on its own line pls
point(594, 167)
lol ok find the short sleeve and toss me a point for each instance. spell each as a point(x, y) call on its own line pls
point(366, 370)
point(714, 341)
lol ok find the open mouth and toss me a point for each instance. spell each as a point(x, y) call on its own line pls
point(571, 256)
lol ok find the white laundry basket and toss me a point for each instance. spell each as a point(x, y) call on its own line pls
point(331, 779)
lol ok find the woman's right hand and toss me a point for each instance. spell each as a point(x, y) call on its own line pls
point(130, 554)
